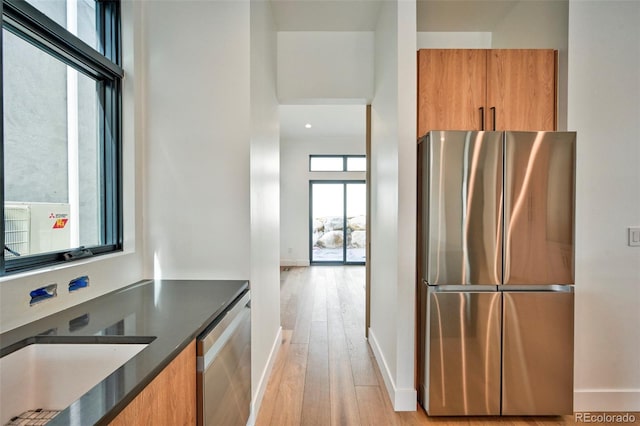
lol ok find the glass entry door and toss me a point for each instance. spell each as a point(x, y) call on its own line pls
point(338, 222)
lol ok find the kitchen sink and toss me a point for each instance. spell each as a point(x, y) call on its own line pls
point(51, 376)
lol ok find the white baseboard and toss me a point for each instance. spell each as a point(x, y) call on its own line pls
point(606, 400)
point(402, 399)
point(294, 262)
point(264, 379)
point(591, 401)
point(382, 365)
point(406, 400)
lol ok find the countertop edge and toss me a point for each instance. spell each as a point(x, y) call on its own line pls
point(92, 407)
point(117, 408)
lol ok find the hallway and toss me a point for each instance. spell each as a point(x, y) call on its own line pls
point(325, 373)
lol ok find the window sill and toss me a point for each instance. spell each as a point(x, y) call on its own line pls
point(64, 266)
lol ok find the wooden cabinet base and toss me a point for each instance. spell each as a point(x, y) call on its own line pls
point(170, 399)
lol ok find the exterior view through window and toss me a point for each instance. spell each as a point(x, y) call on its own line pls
point(61, 131)
point(338, 221)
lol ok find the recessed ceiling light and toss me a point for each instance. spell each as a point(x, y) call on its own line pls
point(307, 126)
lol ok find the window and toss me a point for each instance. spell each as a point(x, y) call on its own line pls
point(337, 163)
point(61, 100)
point(356, 164)
point(78, 17)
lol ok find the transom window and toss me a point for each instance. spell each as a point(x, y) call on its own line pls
point(337, 163)
point(61, 139)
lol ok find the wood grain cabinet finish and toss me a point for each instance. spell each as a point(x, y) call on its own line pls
point(521, 86)
point(486, 89)
point(170, 399)
point(451, 89)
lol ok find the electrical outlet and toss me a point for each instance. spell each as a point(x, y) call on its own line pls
point(634, 236)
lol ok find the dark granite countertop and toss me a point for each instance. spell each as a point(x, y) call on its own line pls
point(168, 313)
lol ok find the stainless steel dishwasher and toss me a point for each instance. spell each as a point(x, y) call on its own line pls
point(224, 367)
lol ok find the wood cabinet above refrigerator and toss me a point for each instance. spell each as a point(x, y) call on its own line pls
point(486, 89)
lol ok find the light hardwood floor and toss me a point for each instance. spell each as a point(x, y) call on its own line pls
point(325, 373)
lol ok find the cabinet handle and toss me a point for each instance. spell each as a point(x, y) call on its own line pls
point(481, 118)
point(493, 109)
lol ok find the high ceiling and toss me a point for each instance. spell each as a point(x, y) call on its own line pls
point(362, 15)
point(326, 15)
point(327, 121)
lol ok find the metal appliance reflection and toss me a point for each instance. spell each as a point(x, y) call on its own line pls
point(496, 261)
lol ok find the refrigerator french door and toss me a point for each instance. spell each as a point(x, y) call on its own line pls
point(497, 266)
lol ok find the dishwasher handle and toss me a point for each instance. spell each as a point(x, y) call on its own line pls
point(210, 344)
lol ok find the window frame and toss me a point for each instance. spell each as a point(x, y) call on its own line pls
point(27, 22)
point(344, 157)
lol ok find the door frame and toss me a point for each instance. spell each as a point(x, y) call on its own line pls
point(344, 182)
point(367, 253)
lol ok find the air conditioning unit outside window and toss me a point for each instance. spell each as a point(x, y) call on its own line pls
point(32, 228)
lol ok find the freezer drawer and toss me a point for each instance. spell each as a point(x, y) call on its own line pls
point(537, 376)
point(464, 353)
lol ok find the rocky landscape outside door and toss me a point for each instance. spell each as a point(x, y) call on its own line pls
point(337, 222)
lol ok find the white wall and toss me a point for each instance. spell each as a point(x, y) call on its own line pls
point(539, 25)
point(407, 193)
point(294, 189)
point(265, 197)
point(213, 155)
point(107, 273)
point(533, 24)
point(393, 201)
point(325, 67)
point(604, 108)
point(454, 40)
point(198, 120)
point(384, 197)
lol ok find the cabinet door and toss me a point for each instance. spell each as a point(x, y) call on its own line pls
point(451, 89)
point(521, 89)
point(170, 399)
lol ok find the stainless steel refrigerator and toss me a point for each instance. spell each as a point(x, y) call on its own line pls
point(496, 258)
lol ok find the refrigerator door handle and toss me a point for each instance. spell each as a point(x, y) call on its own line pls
point(462, 288)
point(557, 288)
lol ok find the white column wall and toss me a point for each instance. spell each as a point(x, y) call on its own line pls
point(384, 197)
point(407, 204)
point(265, 199)
point(393, 201)
point(604, 108)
